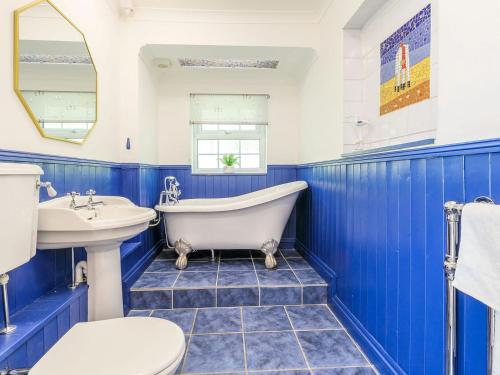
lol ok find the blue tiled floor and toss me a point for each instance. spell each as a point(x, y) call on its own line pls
point(273, 340)
point(218, 320)
point(235, 278)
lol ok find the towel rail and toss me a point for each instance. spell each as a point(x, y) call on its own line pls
point(453, 212)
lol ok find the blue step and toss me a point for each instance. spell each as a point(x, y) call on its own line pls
point(235, 278)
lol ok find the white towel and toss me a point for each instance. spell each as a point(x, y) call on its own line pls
point(478, 266)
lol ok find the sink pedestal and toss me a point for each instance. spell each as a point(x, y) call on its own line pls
point(105, 282)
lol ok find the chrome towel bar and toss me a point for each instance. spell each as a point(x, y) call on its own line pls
point(453, 212)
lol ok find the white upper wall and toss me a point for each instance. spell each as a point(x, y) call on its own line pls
point(150, 28)
point(174, 131)
point(362, 83)
point(320, 133)
point(99, 21)
point(467, 49)
point(469, 52)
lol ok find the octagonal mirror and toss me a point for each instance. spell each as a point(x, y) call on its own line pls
point(54, 74)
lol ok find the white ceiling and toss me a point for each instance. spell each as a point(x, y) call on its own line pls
point(313, 9)
point(314, 6)
point(293, 61)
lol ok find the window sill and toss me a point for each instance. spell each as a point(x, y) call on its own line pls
point(249, 173)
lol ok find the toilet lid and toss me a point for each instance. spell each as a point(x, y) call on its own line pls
point(135, 346)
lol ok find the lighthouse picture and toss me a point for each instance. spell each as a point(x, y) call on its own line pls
point(405, 67)
point(402, 65)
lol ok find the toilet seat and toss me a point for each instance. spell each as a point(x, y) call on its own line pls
point(125, 346)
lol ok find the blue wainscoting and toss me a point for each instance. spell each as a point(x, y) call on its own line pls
point(223, 186)
point(375, 224)
point(140, 183)
point(50, 268)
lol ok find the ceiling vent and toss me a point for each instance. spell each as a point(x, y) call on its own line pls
point(229, 63)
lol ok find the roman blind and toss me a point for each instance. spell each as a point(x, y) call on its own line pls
point(236, 109)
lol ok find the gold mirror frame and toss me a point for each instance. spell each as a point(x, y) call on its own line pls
point(17, 89)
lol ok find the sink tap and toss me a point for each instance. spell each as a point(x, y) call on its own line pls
point(90, 193)
point(73, 196)
point(91, 203)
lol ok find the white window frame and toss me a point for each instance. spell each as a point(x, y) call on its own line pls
point(259, 134)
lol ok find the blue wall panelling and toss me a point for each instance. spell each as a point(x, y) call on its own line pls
point(140, 183)
point(375, 224)
point(372, 224)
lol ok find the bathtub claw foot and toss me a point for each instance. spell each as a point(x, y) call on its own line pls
point(183, 248)
point(269, 248)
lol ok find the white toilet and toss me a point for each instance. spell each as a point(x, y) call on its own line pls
point(124, 346)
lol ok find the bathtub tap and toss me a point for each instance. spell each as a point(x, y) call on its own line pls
point(170, 195)
point(254, 221)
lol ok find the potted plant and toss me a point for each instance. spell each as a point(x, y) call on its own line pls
point(229, 161)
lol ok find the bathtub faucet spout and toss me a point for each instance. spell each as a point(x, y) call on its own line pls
point(182, 248)
point(269, 248)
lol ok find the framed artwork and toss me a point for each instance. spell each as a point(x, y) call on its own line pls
point(405, 68)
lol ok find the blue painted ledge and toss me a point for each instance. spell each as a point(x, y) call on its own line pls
point(465, 148)
point(408, 145)
point(40, 324)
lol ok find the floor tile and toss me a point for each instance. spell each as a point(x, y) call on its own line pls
point(133, 313)
point(298, 264)
point(201, 266)
point(344, 371)
point(290, 253)
point(234, 254)
point(155, 281)
point(316, 294)
point(284, 372)
point(236, 265)
point(151, 299)
point(218, 320)
point(272, 318)
point(162, 266)
point(280, 296)
point(310, 277)
point(245, 296)
point(261, 265)
point(215, 353)
point(277, 278)
point(330, 349)
point(273, 351)
point(184, 318)
point(310, 317)
point(191, 298)
point(196, 279)
point(237, 278)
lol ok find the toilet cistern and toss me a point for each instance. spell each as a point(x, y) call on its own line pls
point(19, 196)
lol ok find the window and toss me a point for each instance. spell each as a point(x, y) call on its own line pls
point(229, 124)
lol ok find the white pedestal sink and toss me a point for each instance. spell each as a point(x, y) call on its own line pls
point(101, 230)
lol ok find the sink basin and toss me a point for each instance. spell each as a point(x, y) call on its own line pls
point(60, 227)
point(101, 230)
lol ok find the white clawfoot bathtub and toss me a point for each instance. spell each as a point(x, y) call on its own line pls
point(250, 221)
